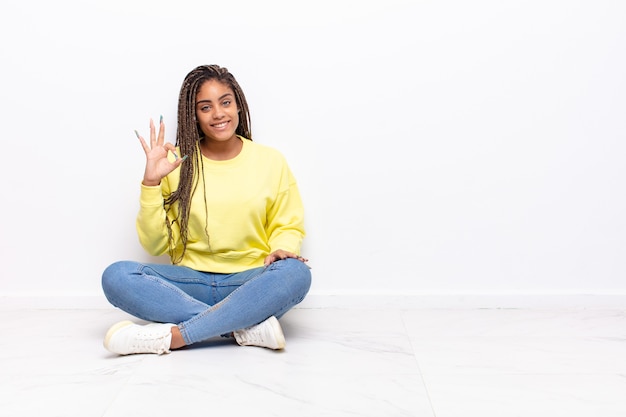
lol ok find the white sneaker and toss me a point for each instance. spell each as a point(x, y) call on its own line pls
point(125, 338)
point(266, 334)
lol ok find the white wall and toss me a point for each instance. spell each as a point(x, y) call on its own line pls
point(440, 146)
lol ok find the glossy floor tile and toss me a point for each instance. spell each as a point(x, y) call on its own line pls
point(338, 362)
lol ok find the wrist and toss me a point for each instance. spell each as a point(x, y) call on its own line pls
point(150, 183)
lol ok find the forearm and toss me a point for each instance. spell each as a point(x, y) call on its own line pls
point(152, 222)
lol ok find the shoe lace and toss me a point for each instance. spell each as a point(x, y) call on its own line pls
point(252, 335)
point(150, 342)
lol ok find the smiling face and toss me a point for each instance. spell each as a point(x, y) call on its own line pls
point(216, 111)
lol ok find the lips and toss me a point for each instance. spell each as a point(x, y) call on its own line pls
point(219, 125)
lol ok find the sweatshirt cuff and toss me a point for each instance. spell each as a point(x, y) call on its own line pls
point(150, 196)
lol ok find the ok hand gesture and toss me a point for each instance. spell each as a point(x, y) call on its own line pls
point(157, 164)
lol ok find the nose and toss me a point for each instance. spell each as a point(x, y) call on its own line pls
point(218, 112)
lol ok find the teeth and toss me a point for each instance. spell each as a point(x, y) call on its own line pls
point(219, 125)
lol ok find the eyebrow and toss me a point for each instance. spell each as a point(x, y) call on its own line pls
point(209, 101)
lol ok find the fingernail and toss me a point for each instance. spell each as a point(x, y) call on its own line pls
point(161, 119)
point(175, 156)
point(185, 157)
point(137, 133)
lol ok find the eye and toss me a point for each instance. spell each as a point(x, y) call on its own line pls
point(226, 103)
point(205, 108)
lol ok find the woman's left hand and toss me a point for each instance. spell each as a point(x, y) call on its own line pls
point(281, 254)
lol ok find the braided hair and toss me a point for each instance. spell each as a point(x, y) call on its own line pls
point(188, 136)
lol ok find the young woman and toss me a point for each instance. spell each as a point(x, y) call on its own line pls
point(229, 214)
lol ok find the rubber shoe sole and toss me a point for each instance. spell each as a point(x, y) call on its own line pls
point(113, 330)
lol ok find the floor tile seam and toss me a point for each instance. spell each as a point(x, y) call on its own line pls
point(123, 386)
point(417, 363)
point(524, 374)
point(487, 338)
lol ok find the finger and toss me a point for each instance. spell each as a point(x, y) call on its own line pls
point(152, 134)
point(144, 145)
point(179, 161)
point(287, 254)
point(293, 255)
point(161, 138)
point(169, 147)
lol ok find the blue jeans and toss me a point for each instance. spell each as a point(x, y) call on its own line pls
point(204, 304)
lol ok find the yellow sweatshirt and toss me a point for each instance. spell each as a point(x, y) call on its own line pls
point(253, 207)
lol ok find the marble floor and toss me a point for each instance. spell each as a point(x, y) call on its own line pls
point(338, 362)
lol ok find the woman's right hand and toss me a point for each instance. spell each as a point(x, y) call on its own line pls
point(157, 164)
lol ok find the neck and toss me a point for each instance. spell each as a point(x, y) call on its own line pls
point(221, 150)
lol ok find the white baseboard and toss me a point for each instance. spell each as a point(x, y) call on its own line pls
point(365, 300)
